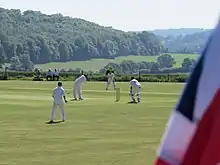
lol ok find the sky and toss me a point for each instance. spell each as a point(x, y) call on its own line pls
point(129, 15)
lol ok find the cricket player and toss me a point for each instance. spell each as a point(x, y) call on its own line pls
point(135, 88)
point(111, 79)
point(77, 89)
point(58, 97)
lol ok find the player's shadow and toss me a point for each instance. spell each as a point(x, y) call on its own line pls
point(54, 122)
point(130, 102)
point(75, 100)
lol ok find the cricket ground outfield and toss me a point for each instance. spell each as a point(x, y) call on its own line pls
point(98, 130)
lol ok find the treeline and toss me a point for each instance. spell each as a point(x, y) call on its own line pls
point(164, 64)
point(40, 38)
point(178, 32)
point(191, 43)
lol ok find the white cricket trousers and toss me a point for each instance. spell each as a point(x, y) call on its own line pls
point(77, 90)
point(54, 107)
point(135, 91)
point(109, 82)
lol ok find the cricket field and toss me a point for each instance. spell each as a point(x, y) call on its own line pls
point(98, 130)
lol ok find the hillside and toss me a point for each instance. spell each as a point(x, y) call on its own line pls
point(33, 37)
point(191, 43)
point(177, 32)
point(184, 40)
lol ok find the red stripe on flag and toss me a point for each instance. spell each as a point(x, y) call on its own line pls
point(161, 162)
point(204, 148)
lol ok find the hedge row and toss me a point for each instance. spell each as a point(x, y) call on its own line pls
point(67, 76)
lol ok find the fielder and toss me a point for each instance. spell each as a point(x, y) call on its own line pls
point(135, 88)
point(111, 79)
point(58, 96)
point(77, 89)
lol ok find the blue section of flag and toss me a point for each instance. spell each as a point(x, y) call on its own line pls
point(187, 102)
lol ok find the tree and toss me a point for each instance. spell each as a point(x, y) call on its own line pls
point(166, 61)
point(154, 67)
point(132, 66)
point(125, 67)
point(26, 63)
point(128, 66)
point(55, 38)
point(15, 63)
point(188, 64)
point(2, 55)
point(64, 52)
point(186, 43)
point(114, 67)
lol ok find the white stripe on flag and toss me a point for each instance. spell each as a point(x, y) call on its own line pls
point(176, 139)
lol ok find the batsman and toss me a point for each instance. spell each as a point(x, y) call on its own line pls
point(77, 89)
point(135, 88)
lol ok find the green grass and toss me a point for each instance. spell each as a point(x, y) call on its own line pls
point(98, 130)
point(97, 64)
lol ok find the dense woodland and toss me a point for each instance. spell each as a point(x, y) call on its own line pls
point(184, 40)
point(45, 38)
point(190, 43)
point(31, 37)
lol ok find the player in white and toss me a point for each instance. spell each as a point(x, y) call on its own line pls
point(111, 79)
point(58, 97)
point(56, 74)
point(135, 88)
point(77, 89)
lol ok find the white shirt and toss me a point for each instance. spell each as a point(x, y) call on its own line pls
point(80, 79)
point(56, 73)
point(58, 93)
point(134, 83)
point(111, 75)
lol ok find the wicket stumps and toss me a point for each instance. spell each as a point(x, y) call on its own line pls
point(117, 94)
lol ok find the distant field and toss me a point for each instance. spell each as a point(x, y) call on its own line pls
point(97, 64)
